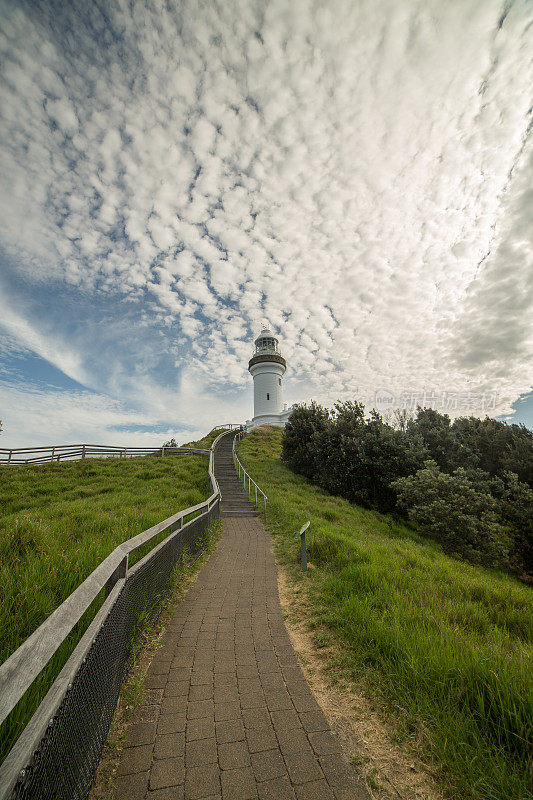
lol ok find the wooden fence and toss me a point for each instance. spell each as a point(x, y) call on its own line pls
point(75, 452)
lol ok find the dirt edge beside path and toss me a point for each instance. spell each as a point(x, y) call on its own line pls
point(390, 770)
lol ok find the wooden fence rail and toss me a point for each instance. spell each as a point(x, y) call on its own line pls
point(75, 452)
point(21, 668)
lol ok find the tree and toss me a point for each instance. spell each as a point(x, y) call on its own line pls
point(359, 458)
point(497, 447)
point(454, 511)
point(440, 440)
point(299, 437)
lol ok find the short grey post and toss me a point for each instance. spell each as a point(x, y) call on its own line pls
point(83, 451)
point(9, 456)
point(301, 534)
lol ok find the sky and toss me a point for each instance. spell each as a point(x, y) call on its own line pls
point(355, 174)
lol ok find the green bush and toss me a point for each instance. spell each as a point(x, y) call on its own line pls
point(299, 446)
point(349, 455)
point(455, 512)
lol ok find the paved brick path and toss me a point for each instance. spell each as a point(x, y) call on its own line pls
point(228, 712)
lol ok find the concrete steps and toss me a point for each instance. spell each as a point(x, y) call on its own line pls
point(235, 500)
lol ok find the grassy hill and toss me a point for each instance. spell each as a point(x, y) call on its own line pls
point(59, 521)
point(442, 647)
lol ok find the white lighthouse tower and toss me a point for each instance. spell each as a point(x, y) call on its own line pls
point(267, 367)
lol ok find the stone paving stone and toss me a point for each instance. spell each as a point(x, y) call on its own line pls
point(324, 743)
point(342, 779)
point(152, 697)
point(200, 677)
point(260, 739)
point(272, 680)
point(171, 705)
point(231, 730)
point(158, 667)
point(293, 741)
point(176, 689)
point(268, 765)
point(233, 755)
point(276, 789)
point(203, 728)
point(315, 790)
point(155, 681)
point(228, 714)
point(197, 709)
point(278, 700)
point(224, 711)
point(135, 759)
point(167, 772)
point(225, 694)
point(168, 793)
point(285, 720)
point(255, 717)
point(141, 733)
point(202, 782)
point(169, 745)
point(314, 721)
point(303, 767)
point(238, 784)
point(305, 702)
point(132, 787)
point(225, 679)
point(202, 692)
point(179, 673)
point(253, 700)
point(200, 752)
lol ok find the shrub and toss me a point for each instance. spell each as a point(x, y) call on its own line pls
point(440, 440)
point(299, 437)
point(359, 459)
point(497, 447)
point(455, 512)
point(515, 510)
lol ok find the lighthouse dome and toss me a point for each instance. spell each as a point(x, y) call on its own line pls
point(266, 342)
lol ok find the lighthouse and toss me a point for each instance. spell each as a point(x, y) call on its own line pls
point(267, 368)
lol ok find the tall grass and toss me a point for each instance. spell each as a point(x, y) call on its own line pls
point(58, 522)
point(444, 646)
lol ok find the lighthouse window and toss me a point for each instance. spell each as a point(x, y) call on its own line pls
point(268, 396)
point(279, 381)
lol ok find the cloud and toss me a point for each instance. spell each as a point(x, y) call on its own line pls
point(356, 175)
point(37, 415)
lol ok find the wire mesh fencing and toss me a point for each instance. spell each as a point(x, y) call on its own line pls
point(63, 765)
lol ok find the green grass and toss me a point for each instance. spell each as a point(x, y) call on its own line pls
point(443, 647)
point(58, 522)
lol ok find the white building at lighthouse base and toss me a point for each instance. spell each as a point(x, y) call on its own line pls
point(270, 419)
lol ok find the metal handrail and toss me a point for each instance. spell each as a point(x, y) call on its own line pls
point(62, 452)
point(240, 469)
point(19, 671)
point(230, 425)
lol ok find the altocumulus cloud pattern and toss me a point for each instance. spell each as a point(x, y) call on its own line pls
point(172, 173)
